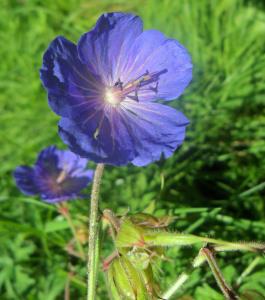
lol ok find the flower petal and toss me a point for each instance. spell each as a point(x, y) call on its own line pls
point(54, 160)
point(139, 133)
point(156, 129)
point(69, 83)
point(70, 188)
point(105, 140)
point(76, 183)
point(25, 180)
point(142, 47)
point(166, 58)
point(104, 47)
point(47, 163)
point(73, 163)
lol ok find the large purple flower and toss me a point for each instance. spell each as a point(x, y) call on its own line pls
point(105, 89)
point(58, 175)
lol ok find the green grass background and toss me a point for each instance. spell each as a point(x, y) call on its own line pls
point(220, 169)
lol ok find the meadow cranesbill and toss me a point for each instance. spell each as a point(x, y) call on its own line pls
point(57, 175)
point(106, 88)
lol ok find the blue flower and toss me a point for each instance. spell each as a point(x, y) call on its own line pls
point(106, 90)
point(56, 176)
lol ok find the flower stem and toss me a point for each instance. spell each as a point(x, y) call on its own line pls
point(93, 234)
point(73, 229)
point(226, 290)
point(63, 209)
point(248, 270)
point(173, 289)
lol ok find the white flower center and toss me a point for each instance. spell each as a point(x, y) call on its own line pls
point(112, 97)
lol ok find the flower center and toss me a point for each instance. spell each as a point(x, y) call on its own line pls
point(113, 96)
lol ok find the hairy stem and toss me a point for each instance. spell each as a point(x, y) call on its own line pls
point(93, 234)
point(226, 290)
point(173, 289)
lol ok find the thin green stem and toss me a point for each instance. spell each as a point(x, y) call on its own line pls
point(248, 270)
point(173, 289)
point(97, 246)
point(226, 290)
point(74, 232)
point(63, 209)
point(220, 245)
point(67, 288)
point(92, 262)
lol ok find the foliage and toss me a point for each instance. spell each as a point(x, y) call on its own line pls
point(214, 184)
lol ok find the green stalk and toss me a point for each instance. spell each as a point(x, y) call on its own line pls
point(226, 290)
point(74, 232)
point(93, 239)
point(248, 270)
point(173, 289)
point(182, 239)
point(64, 211)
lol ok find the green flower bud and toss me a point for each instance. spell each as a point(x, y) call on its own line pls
point(125, 281)
point(199, 260)
point(140, 259)
point(130, 235)
point(112, 285)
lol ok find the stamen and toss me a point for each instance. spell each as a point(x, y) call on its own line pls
point(114, 95)
point(96, 133)
point(61, 177)
point(146, 79)
point(119, 84)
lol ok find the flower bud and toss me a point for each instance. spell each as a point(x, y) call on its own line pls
point(126, 282)
point(130, 235)
point(140, 259)
point(198, 260)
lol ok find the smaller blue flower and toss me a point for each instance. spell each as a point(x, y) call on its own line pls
point(57, 175)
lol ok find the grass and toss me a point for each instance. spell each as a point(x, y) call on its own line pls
point(215, 183)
